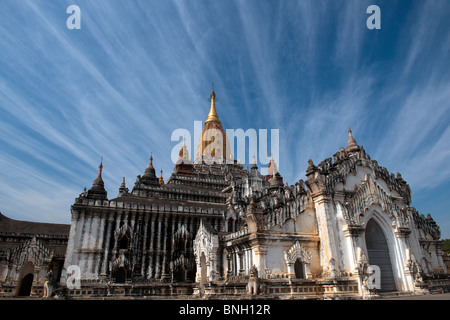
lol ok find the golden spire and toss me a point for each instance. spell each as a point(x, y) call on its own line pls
point(212, 115)
point(213, 141)
point(161, 179)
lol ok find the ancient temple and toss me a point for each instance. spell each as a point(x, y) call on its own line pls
point(31, 254)
point(216, 229)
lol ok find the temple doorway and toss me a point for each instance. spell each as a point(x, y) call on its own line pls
point(378, 254)
point(25, 282)
point(120, 275)
point(298, 268)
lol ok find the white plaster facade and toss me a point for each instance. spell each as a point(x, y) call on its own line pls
point(322, 229)
point(218, 229)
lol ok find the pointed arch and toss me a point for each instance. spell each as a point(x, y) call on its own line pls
point(206, 250)
point(297, 260)
point(124, 239)
point(379, 254)
point(25, 280)
point(182, 266)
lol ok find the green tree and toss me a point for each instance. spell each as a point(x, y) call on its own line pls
point(446, 245)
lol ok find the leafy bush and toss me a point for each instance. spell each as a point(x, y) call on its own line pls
point(446, 245)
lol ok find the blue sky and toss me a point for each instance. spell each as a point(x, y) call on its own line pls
point(138, 70)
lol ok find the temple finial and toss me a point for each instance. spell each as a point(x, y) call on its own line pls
point(161, 179)
point(183, 155)
point(351, 145)
point(97, 191)
point(254, 166)
point(151, 160)
point(212, 115)
point(272, 166)
point(100, 167)
point(149, 176)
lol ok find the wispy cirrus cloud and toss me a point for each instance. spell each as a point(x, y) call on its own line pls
point(135, 72)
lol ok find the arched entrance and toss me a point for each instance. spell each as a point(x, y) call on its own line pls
point(25, 282)
point(378, 254)
point(298, 268)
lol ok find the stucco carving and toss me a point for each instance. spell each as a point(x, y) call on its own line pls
point(32, 250)
point(297, 251)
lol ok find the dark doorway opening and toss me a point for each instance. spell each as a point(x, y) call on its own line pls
point(123, 244)
point(298, 267)
point(25, 285)
point(120, 275)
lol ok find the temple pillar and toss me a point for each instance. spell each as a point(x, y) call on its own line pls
point(158, 248)
point(259, 257)
point(151, 249)
point(104, 268)
point(144, 246)
point(165, 273)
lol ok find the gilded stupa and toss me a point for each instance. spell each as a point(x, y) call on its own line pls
point(213, 146)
